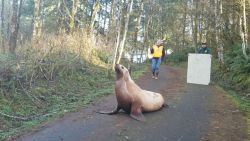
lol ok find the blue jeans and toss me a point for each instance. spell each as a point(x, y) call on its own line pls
point(156, 66)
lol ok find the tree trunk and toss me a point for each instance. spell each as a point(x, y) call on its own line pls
point(146, 28)
point(19, 16)
point(112, 13)
point(111, 24)
point(105, 18)
point(75, 4)
point(243, 27)
point(201, 24)
point(97, 7)
point(137, 27)
point(218, 13)
point(195, 33)
point(37, 19)
point(118, 36)
point(91, 10)
point(122, 44)
point(3, 26)
point(13, 27)
point(184, 24)
point(59, 13)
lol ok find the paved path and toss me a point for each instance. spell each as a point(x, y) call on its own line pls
point(186, 119)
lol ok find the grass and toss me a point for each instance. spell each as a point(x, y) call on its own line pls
point(244, 104)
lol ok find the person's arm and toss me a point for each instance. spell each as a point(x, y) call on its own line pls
point(151, 50)
point(208, 50)
point(163, 53)
point(199, 50)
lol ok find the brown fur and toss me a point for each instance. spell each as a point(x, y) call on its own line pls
point(131, 98)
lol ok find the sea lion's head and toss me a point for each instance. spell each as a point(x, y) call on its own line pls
point(121, 72)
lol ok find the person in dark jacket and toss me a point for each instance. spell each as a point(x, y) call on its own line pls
point(204, 49)
point(158, 53)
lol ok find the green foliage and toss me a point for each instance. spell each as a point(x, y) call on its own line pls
point(180, 55)
point(233, 75)
point(137, 70)
point(244, 104)
point(235, 72)
point(103, 56)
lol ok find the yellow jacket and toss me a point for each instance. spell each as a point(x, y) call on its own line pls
point(157, 51)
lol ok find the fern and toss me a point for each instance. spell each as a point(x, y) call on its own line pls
point(237, 70)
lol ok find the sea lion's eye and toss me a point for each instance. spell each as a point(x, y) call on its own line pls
point(122, 67)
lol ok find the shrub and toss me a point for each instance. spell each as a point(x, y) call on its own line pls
point(235, 72)
point(180, 55)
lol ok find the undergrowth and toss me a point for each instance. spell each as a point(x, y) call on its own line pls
point(234, 73)
point(179, 56)
point(244, 104)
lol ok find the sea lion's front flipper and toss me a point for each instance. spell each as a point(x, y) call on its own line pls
point(136, 113)
point(110, 112)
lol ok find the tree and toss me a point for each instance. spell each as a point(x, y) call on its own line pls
point(195, 26)
point(97, 7)
point(13, 27)
point(218, 13)
point(243, 31)
point(184, 24)
point(59, 14)
point(137, 28)
point(37, 18)
point(3, 26)
point(119, 24)
point(122, 44)
point(75, 4)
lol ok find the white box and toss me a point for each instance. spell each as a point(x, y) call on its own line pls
point(199, 68)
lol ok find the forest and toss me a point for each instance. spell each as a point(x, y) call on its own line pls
point(57, 55)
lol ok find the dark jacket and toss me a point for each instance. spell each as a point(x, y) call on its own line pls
point(204, 50)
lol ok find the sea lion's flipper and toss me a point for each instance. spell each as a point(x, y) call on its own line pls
point(138, 116)
point(136, 113)
point(165, 105)
point(110, 112)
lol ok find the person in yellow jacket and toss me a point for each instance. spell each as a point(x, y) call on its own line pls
point(158, 53)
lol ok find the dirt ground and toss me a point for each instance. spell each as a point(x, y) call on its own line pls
point(195, 113)
point(227, 122)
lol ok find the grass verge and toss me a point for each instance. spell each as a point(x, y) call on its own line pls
point(244, 104)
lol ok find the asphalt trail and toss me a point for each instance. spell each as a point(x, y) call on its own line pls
point(186, 119)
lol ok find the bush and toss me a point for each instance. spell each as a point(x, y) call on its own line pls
point(235, 72)
point(180, 55)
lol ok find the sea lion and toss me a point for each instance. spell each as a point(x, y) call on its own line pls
point(131, 98)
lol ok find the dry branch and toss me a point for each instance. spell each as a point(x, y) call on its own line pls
point(25, 118)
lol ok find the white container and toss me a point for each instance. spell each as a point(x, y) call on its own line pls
point(199, 68)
